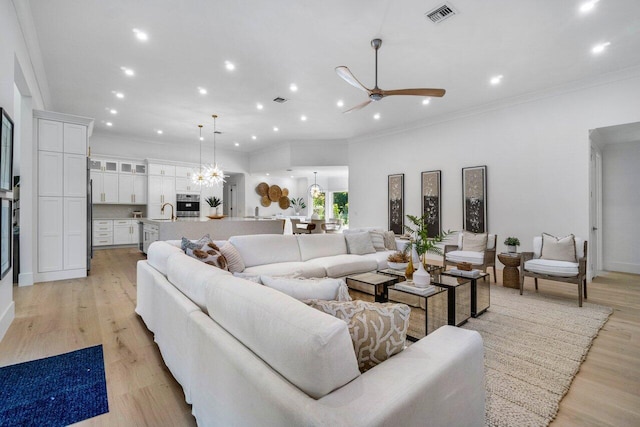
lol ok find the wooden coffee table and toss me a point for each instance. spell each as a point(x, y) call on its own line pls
point(510, 273)
point(372, 284)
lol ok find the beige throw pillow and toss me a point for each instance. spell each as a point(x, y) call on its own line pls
point(474, 242)
point(563, 249)
point(377, 238)
point(233, 257)
point(378, 331)
point(359, 243)
point(390, 240)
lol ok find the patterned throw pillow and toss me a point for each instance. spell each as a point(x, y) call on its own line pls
point(378, 331)
point(188, 244)
point(209, 254)
point(390, 240)
point(233, 257)
point(474, 242)
point(377, 238)
point(554, 248)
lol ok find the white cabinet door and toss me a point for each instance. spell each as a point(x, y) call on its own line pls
point(153, 211)
point(50, 239)
point(110, 188)
point(154, 195)
point(169, 190)
point(75, 139)
point(50, 176)
point(97, 184)
point(125, 188)
point(75, 233)
point(183, 172)
point(184, 185)
point(139, 189)
point(75, 175)
point(160, 169)
point(121, 234)
point(50, 135)
point(135, 232)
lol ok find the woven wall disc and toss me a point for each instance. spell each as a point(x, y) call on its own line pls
point(283, 202)
point(285, 191)
point(262, 189)
point(275, 193)
point(265, 201)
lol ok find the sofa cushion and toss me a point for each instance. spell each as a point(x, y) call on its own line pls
point(552, 267)
point(361, 229)
point(390, 240)
point(474, 242)
point(194, 244)
point(359, 243)
point(377, 239)
point(259, 249)
point(491, 240)
point(343, 265)
point(559, 249)
point(310, 349)
point(380, 258)
point(191, 277)
point(159, 252)
point(537, 247)
point(321, 245)
point(210, 254)
point(472, 257)
point(235, 263)
point(304, 269)
point(378, 331)
point(305, 289)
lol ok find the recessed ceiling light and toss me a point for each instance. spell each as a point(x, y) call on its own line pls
point(229, 65)
point(112, 111)
point(426, 101)
point(118, 95)
point(202, 91)
point(496, 79)
point(588, 6)
point(109, 124)
point(293, 87)
point(159, 131)
point(237, 144)
point(141, 35)
point(128, 71)
point(254, 137)
point(259, 106)
point(599, 48)
point(376, 116)
point(291, 176)
point(267, 174)
point(340, 103)
point(303, 118)
point(275, 129)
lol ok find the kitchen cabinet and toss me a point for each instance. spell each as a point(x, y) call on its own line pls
point(103, 165)
point(185, 185)
point(125, 232)
point(161, 190)
point(132, 189)
point(75, 233)
point(74, 139)
point(104, 187)
point(184, 172)
point(50, 234)
point(161, 169)
point(75, 175)
point(129, 167)
point(102, 232)
point(50, 174)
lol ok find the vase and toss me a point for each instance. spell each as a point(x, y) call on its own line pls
point(421, 278)
point(512, 249)
point(217, 210)
point(408, 273)
point(212, 211)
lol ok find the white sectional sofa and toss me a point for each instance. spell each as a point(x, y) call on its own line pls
point(246, 354)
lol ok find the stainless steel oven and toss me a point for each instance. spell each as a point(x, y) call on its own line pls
point(187, 205)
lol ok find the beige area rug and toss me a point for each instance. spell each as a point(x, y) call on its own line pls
point(534, 346)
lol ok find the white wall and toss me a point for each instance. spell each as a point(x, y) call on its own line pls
point(537, 153)
point(621, 206)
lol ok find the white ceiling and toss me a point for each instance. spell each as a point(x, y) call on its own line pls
point(535, 44)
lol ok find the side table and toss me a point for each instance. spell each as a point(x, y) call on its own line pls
point(510, 273)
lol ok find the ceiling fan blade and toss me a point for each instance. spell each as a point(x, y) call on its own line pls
point(416, 92)
point(359, 106)
point(348, 77)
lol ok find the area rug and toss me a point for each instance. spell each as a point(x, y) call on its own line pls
point(534, 345)
point(55, 391)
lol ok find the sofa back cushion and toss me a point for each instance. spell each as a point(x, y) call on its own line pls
point(260, 249)
point(321, 245)
point(312, 350)
point(159, 252)
point(359, 243)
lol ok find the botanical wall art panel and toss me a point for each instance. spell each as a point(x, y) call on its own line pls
point(5, 237)
point(396, 203)
point(431, 206)
point(474, 199)
point(6, 151)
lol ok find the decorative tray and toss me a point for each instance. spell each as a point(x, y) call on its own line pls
point(215, 216)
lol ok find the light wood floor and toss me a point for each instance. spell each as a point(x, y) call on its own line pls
point(56, 317)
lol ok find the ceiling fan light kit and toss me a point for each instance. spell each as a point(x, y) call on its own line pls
point(376, 94)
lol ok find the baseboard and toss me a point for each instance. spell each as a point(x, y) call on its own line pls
point(6, 319)
point(622, 267)
point(25, 279)
point(60, 275)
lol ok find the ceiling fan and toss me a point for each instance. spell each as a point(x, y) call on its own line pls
point(376, 94)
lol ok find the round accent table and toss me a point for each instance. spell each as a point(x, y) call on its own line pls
point(510, 273)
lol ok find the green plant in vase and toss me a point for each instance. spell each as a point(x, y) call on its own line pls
point(512, 243)
point(214, 202)
point(298, 204)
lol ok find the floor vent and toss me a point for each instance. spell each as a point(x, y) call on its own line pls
point(441, 13)
point(280, 100)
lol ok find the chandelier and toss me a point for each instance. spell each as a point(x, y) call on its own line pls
point(213, 173)
point(315, 190)
point(199, 177)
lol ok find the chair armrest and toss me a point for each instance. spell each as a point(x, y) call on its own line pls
point(526, 256)
point(582, 266)
point(490, 255)
point(449, 248)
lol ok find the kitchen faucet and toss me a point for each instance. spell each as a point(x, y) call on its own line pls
point(173, 218)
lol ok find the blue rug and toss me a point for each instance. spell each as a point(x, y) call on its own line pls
point(55, 391)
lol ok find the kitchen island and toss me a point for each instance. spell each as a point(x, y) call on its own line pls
point(194, 228)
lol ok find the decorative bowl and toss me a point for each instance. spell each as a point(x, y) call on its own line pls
point(397, 265)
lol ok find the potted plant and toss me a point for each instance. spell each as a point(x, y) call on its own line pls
point(214, 202)
point(420, 241)
point(398, 260)
point(298, 204)
point(512, 244)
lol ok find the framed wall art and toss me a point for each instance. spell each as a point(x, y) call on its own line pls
point(396, 203)
point(6, 235)
point(431, 202)
point(474, 199)
point(6, 151)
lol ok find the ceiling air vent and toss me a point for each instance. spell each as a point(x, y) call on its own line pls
point(441, 13)
point(280, 100)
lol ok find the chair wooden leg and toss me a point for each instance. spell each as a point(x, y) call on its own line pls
point(521, 285)
point(494, 275)
point(585, 288)
point(579, 295)
point(535, 279)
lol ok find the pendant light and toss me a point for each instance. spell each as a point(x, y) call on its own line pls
point(199, 177)
point(315, 190)
point(213, 173)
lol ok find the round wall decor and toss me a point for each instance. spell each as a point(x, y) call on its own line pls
point(275, 193)
point(265, 201)
point(262, 189)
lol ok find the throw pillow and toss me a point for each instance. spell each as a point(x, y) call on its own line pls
point(377, 239)
point(390, 240)
point(209, 254)
point(474, 242)
point(359, 243)
point(378, 330)
point(233, 257)
point(188, 244)
point(304, 289)
point(563, 249)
